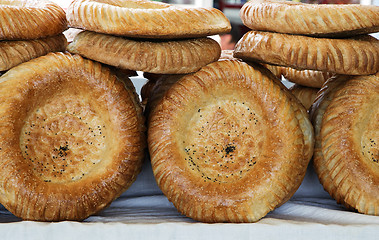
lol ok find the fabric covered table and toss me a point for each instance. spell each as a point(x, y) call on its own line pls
point(142, 212)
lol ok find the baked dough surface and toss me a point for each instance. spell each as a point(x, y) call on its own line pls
point(326, 20)
point(71, 138)
point(146, 19)
point(30, 19)
point(162, 85)
point(350, 56)
point(306, 95)
point(159, 56)
point(345, 117)
point(222, 149)
point(307, 78)
point(13, 53)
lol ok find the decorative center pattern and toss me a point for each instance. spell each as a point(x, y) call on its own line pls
point(224, 142)
point(63, 140)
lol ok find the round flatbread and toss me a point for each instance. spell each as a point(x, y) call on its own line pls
point(351, 56)
point(306, 95)
point(161, 86)
point(222, 149)
point(346, 117)
point(30, 19)
point(306, 78)
point(163, 57)
point(13, 53)
point(326, 20)
point(71, 138)
point(146, 19)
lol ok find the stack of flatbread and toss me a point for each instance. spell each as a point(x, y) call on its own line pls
point(72, 132)
point(146, 36)
point(309, 43)
point(222, 149)
point(39, 33)
point(295, 40)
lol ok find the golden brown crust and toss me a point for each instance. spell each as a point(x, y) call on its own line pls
point(307, 78)
point(13, 53)
point(161, 86)
point(326, 20)
point(146, 19)
point(71, 138)
point(30, 19)
point(164, 57)
point(213, 141)
point(346, 150)
point(352, 56)
point(322, 100)
point(306, 95)
point(301, 115)
point(317, 111)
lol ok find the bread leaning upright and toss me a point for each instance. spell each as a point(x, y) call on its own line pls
point(71, 137)
point(223, 149)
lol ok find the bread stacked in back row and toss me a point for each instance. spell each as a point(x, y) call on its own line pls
point(39, 32)
point(308, 43)
point(146, 36)
point(302, 38)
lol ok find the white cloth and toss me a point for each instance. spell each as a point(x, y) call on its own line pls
point(142, 212)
